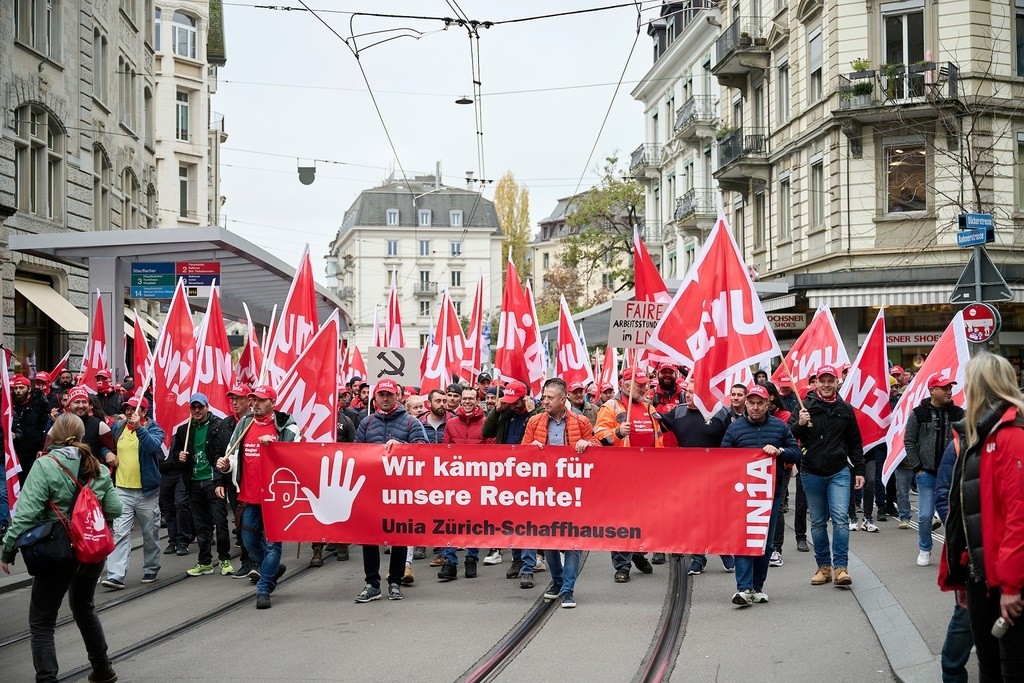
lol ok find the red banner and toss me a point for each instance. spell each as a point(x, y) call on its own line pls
point(680, 500)
point(866, 388)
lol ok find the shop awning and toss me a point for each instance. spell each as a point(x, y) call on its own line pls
point(57, 308)
point(856, 297)
point(779, 303)
point(150, 331)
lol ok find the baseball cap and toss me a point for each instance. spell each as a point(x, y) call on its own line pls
point(492, 391)
point(577, 385)
point(896, 370)
point(20, 381)
point(199, 397)
point(388, 385)
point(666, 366)
point(757, 390)
point(42, 376)
point(134, 402)
point(239, 390)
point(828, 370)
point(938, 380)
point(513, 392)
point(607, 386)
point(483, 377)
point(592, 390)
point(103, 373)
point(638, 376)
point(452, 389)
point(76, 393)
point(264, 391)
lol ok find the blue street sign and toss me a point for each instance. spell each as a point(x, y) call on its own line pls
point(972, 238)
point(978, 220)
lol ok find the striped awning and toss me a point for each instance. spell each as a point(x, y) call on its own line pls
point(779, 303)
point(857, 297)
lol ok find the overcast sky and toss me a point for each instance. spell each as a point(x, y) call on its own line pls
point(292, 92)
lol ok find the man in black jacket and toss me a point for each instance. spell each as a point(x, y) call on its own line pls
point(30, 413)
point(827, 428)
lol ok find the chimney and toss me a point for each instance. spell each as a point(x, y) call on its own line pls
point(437, 177)
point(469, 180)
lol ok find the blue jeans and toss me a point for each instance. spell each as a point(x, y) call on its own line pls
point(752, 570)
point(903, 479)
point(829, 497)
point(528, 558)
point(702, 560)
point(880, 498)
point(956, 650)
point(266, 555)
point(450, 555)
point(925, 509)
point(564, 575)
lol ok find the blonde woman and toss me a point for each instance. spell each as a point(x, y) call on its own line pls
point(46, 483)
point(984, 551)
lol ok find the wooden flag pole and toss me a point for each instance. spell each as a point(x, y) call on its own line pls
point(796, 389)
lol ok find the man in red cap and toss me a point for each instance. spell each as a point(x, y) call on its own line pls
point(30, 413)
point(667, 394)
point(629, 420)
point(238, 397)
point(98, 436)
point(579, 403)
point(110, 397)
point(242, 460)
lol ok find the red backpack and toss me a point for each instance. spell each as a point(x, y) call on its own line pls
point(90, 536)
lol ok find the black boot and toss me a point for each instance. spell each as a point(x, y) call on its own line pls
point(449, 572)
point(470, 567)
point(342, 552)
point(318, 555)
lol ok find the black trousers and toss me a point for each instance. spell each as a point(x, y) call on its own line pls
point(781, 488)
point(998, 659)
point(209, 516)
point(47, 595)
point(175, 510)
point(800, 518)
point(371, 564)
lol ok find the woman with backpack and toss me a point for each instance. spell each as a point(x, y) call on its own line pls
point(51, 482)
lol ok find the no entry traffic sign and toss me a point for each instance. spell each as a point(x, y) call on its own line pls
point(982, 322)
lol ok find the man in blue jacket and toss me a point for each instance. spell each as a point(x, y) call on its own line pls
point(137, 478)
point(758, 429)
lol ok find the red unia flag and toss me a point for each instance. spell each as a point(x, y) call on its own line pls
point(393, 337)
point(866, 387)
point(820, 344)
point(95, 357)
point(571, 362)
point(250, 360)
point(715, 324)
point(55, 373)
point(11, 464)
point(510, 350)
point(140, 351)
point(309, 390)
point(948, 357)
point(473, 362)
point(445, 352)
point(357, 366)
point(213, 375)
point(609, 369)
point(174, 366)
point(648, 283)
point(297, 325)
point(532, 342)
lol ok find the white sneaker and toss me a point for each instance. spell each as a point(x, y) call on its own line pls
point(924, 558)
point(869, 527)
point(776, 559)
point(760, 597)
point(853, 526)
point(541, 565)
point(743, 598)
point(493, 558)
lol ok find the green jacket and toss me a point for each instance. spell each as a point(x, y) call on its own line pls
point(46, 481)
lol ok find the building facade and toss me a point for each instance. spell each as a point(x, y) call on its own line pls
point(850, 137)
point(423, 236)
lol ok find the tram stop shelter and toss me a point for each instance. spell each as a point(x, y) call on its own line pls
point(248, 273)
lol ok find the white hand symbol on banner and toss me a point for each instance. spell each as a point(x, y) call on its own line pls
point(334, 504)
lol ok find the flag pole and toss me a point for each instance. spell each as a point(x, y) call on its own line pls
point(796, 389)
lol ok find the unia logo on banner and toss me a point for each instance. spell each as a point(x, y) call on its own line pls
point(213, 367)
point(726, 313)
point(177, 369)
point(760, 492)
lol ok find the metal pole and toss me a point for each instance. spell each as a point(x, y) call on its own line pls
point(975, 349)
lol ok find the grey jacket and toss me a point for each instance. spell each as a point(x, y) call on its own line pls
point(929, 430)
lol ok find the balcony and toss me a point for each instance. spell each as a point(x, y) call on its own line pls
point(696, 119)
point(425, 289)
point(650, 231)
point(696, 212)
point(742, 158)
point(645, 162)
point(741, 50)
point(870, 95)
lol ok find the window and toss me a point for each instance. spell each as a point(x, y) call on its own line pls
point(392, 216)
point(1020, 172)
point(147, 113)
point(424, 248)
point(38, 162)
point(785, 208)
point(738, 230)
point(392, 247)
point(132, 195)
point(782, 84)
point(183, 35)
point(186, 189)
point(181, 116)
point(457, 303)
point(456, 247)
point(546, 260)
point(759, 220)
point(905, 177)
point(607, 280)
point(128, 7)
point(100, 66)
point(456, 278)
point(150, 212)
point(757, 113)
point(100, 190)
point(672, 261)
point(424, 277)
point(157, 24)
point(425, 308)
point(903, 38)
point(814, 67)
point(425, 338)
point(1019, 35)
point(817, 198)
point(455, 219)
point(37, 24)
point(128, 97)
point(424, 215)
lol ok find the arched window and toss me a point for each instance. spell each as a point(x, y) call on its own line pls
point(100, 189)
point(183, 35)
point(39, 162)
point(132, 195)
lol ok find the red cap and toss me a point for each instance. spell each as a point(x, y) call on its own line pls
point(607, 386)
point(667, 366)
point(638, 377)
point(264, 391)
point(20, 381)
point(389, 385)
point(828, 370)
point(758, 390)
point(896, 370)
point(42, 376)
point(75, 393)
point(938, 380)
point(103, 373)
point(239, 390)
point(134, 401)
point(577, 385)
point(592, 390)
point(513, 392)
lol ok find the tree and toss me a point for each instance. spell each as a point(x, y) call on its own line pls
point(560, 280)
point(512, 203)
point(602, 225)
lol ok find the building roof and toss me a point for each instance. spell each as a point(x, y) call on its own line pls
point(216, 52)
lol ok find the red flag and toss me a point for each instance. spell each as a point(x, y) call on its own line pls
point(473, 363)
point(866, 387)
point(715, 324)
point(297, 325)
point(820, 344)
point(510, 352)
point(648, 283)
point(140, 351)
point(571, 360)
point(309, 390)
point(55, 373)
point(358, 366)
point(444, 354)
point(213, 375)
point(532, 342)
point(948, 357)
point(11, 464)
point(95, 357)
point(174, 366)
point(250, 360)
point(609, 369)
point(378, 336)
point(393, 337)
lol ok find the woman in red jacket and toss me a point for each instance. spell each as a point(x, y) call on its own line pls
point(984, 551)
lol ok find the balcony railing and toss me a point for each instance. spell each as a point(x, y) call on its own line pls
point(425, 288)
point(695, 9)
point(650, 230)
point(646, 155)
point(695, 203)
point(697, 109)
point(898, 84)
point(739, 143)
point(732, 37)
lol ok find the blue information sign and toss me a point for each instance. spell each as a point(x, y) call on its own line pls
point(972, 238)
